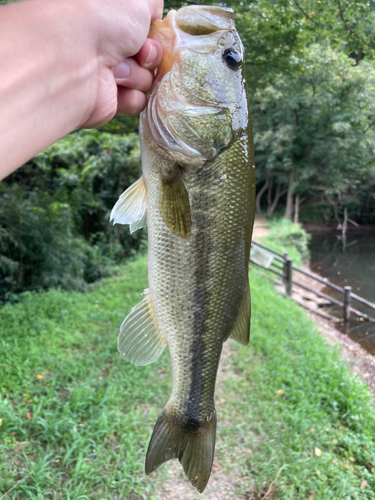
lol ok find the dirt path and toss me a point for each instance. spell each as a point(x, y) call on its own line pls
point(260, 227)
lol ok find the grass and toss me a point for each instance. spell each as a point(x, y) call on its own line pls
point(72, 412)
point(77, 419)
point(311, 419)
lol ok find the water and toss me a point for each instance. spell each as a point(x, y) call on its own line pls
point(352, 264)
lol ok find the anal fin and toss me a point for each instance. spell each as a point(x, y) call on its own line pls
point(131, 206)
point(241, 330)
point(140, 341)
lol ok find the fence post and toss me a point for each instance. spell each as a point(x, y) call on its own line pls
point(285, 257)
point(288, 274)
point(347, 301)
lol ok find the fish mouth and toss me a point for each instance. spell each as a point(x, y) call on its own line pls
point(186, 27)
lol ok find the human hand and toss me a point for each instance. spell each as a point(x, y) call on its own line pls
point(67, 64)
point(126, 58)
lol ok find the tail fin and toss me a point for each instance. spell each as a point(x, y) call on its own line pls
point(193, 445)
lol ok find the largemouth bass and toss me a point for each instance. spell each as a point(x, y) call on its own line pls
point(197, 188)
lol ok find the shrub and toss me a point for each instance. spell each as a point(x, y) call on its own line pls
point(288, 235)
point(54, 214)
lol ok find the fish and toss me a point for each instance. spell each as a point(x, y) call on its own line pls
point(197, 197)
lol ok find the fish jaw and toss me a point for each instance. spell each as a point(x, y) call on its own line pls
point(164, 31)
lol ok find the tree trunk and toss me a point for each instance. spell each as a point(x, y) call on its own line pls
point(289, 199)
point(273, 205)
point(296, 209)
point(339, 225)
point(344, 228)
point(269, 194)
point(260, 194)
point(345, 223)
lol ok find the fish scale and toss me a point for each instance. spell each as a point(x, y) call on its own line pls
point(198, 189)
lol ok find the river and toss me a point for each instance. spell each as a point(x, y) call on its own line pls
point(352, 264)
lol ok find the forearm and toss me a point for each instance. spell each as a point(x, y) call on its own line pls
point(47, 76)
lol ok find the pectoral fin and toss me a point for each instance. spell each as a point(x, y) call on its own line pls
point(140, 341)
point(241, 330)
point(174, 205)
point(131, 206)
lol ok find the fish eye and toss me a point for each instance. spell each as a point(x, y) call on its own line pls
point(232, 58)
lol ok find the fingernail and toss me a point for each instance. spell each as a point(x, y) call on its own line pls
point(121, 71)
point(151, 55)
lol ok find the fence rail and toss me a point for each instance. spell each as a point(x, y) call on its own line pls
point(281, 265)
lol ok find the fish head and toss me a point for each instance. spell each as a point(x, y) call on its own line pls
point(197, 107)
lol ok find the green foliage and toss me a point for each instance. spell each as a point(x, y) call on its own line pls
point(318, 124)
point(82, 430)
point(54, 214)
point(286, 236)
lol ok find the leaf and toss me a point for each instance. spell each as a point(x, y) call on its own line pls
point(280, 392)
point(318, 452)
point(39, 377)
point(352, 459)
point(28, 416)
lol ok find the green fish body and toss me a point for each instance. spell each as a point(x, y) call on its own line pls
point(198, 190)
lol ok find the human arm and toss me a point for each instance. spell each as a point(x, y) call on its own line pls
point(56, 66)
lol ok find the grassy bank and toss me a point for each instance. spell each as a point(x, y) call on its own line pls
point(77, 419)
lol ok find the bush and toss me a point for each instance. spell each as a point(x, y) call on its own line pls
point(54, 214)
point(289, 237)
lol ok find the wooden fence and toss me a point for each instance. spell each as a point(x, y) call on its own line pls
point(282, 266)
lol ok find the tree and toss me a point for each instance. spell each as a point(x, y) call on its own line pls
point(315, 130)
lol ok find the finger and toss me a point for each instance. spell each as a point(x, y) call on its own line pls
point(130, 74)
point(157, 10)
point(151, 54)
point(130, 101)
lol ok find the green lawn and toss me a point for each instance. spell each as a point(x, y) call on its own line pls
point(77, 419)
